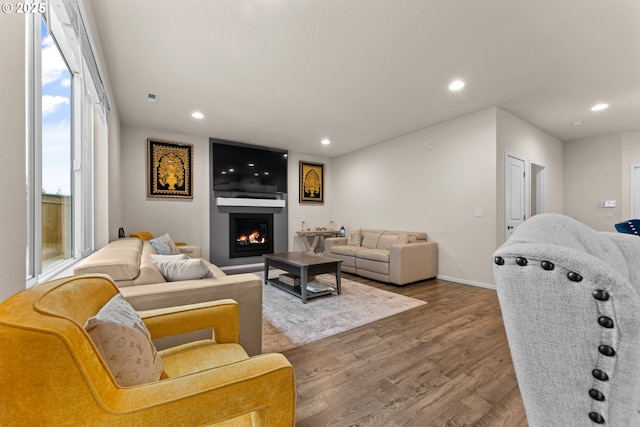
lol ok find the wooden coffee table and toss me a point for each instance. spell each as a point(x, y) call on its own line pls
point(303, 266)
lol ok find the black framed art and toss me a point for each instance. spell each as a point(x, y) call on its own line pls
point(311, 182)
point(169, 169)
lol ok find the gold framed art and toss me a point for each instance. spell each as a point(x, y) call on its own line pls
point(311, 182)
point(169, 169)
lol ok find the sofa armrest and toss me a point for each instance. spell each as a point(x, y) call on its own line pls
point(410, 262)
point(333, 241)
point(191, 250)
point(222, 316)
point(245, 289)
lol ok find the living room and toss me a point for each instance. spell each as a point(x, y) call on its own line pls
point(433, 178)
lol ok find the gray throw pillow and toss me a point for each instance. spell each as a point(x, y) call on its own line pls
point(180, 267)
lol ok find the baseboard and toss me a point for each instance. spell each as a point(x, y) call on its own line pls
point(467, 282)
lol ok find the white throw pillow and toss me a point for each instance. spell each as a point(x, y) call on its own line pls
point(164, 245)
point(355, 238)
point(403, 238)
point(180, 267)
point(125, 343)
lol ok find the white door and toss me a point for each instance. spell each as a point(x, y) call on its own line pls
point(635, 192)
point(514, 193)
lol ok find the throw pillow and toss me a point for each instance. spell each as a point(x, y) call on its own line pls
point(403, 238)
point(180, 267)
point(125, 343)
point(355, 237)
point(164, 245)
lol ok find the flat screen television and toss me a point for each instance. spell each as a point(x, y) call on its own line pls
point(243, 168)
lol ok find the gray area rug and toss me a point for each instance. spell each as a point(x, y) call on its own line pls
point(288, 323)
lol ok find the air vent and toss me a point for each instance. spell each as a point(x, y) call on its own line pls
point(152, 98)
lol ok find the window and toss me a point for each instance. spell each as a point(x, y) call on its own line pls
point(56, 146)
point(64, 95)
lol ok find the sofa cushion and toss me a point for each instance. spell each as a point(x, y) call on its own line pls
point(386, 240)
point(180, 267)
point(347, 250)
point(120, 259)
point(381, 255)
point(370, 239)
point(125, 343)
point(355, 238)
point(165, 245)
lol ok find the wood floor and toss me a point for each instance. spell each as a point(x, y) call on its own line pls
point(446, 363)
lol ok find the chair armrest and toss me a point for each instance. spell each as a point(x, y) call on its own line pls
point(191, 250)
point(410, 262)
point(265, 383)
point(222, 315)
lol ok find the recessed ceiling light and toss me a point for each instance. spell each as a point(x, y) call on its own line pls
point(325, 142)
point(456, 85)
point(599, 107)
point(577, 123)
point(197, 115)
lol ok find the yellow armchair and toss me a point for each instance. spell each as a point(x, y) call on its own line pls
point(53, 374)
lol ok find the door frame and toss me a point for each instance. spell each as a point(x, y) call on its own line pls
point(633, 190)
point(541, 186)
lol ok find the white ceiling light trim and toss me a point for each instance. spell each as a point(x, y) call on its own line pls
point(197, 115)
point(325, 141)
point(599, 107)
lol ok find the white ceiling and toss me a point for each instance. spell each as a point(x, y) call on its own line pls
point(287, 73)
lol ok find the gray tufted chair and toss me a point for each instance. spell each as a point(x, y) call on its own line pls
point(570, 299)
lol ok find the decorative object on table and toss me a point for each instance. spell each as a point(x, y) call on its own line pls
point(311, 182)
point(169, 169)
point(121, 233)
point(343, 232)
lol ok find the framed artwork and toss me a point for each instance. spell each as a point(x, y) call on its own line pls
point(169, 169)
point(311, 182)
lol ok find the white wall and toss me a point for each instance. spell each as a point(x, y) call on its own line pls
point(402, 185)
point(598, 169)
point(314, 215)
point(12, 173)
point(185, 220)
point(520, 138)
point(592, 173)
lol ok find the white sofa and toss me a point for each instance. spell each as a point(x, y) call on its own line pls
point(398, 257)
point(129, 264)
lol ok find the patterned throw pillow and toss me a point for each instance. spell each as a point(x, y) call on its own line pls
point(180, 267)
point(355, 238)
point(125, 343)
point(165, 245)
point(403, 238)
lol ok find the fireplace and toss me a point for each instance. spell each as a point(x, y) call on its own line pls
point(250, 234)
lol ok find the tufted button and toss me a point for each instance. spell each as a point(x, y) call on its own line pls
point(596, 395)
point(605, 322)
point(600, 375)
point(596, 417)
point(521, 261)
point(498, 260)
point(606, 350)
point(601, 295)
point(546, 265)
point(574, 277)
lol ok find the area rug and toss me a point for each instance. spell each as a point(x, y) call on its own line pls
point(288, 323)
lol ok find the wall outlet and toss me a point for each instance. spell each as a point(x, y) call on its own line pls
point(478, 212)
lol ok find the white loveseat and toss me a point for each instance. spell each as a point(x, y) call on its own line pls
point(128, 262)
point(398, 257)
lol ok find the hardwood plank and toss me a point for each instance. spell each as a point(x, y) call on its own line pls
point(446, 363)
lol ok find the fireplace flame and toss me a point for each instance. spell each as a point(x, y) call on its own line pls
point(253, 238)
